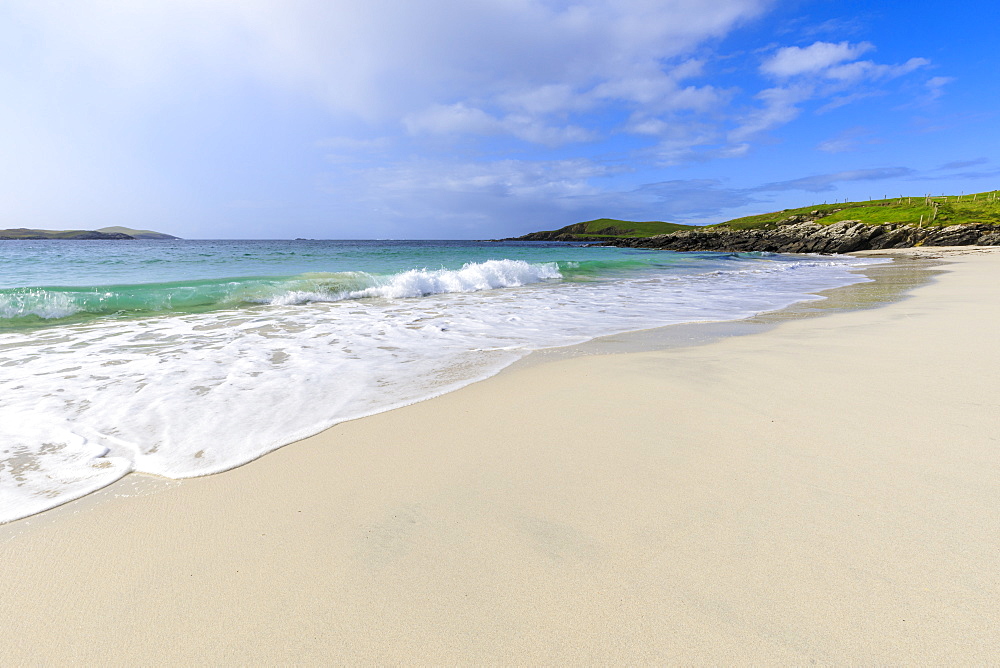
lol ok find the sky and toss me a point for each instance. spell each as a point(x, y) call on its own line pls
point(473, 119)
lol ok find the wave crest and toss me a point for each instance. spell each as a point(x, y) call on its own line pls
point(472, 277)
point(47, 304)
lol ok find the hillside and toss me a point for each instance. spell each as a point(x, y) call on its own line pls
point(106, 233)
point(605, 229)
point(975, 208)
point(136, 234)
point(965, 220)
point(26, 234)
point(897, 222)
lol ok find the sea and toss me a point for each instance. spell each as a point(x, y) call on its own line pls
point(184, 358)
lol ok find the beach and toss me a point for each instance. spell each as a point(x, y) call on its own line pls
point(826, 490)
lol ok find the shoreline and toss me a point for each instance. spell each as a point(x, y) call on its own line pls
point(823, 489)
point(887, 283)
point(199, 393)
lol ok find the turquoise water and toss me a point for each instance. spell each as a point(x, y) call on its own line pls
point(185, 358)
point(50, 282)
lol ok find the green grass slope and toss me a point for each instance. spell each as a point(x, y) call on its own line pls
point(612, 228)
point(138, 234)
point(25, 233)
point(926, 211)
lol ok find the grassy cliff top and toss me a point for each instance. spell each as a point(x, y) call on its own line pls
point(27, 233)
point(647, 228)
point(612, 228)
point(926, 211)
point(930, 211)
point(138, 234)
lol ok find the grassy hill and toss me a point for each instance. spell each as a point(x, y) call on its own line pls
point(613, 227)
point(138, 234)
point(926, 211)
point(26, 233)
point(608, 228)
point(103, 233)
point(920, 211)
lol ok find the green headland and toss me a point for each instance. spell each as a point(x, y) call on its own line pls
point(921, 211)
point(974, 208)
point(105, 233)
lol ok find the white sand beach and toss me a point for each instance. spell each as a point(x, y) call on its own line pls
point(825, 491)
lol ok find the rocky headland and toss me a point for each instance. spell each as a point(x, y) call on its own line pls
point(808, 236)
point(842, 227)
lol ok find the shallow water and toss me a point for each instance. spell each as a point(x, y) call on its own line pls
point(184, 358)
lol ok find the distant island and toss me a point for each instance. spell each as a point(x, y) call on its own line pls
point(105, 233)
point(843, 227)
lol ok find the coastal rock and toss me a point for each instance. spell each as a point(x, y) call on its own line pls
point(102, 235)
point(794, 235)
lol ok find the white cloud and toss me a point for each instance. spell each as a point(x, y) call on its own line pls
point(793, 60)
point(381, 57)
point(488, 67)
point(935, 86)
point(866, 69)
point(830, 61)
point(821, 71)
point(213, 101)
point(459, 119)
point(780, 107)
point(685, 142)
point(545, 99)
point(452, 119)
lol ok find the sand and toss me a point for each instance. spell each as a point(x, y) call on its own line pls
point(825, 491)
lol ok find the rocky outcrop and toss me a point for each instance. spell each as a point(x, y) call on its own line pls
point(575, 232)
point(811, 237)
point(555, 235)
point(101, 235)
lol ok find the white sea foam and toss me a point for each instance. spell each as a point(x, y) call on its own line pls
point(188, 395)
point(41, 303)
point(472, 277)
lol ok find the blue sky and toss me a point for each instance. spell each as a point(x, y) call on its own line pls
point(480, 119)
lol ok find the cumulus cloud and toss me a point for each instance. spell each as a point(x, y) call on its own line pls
point(822, 71)
point(866, 69)
point(373, 57)
point(459, 119)
point(835, 62)
point(780, 106)
point(793, 60)
point(141, 105)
